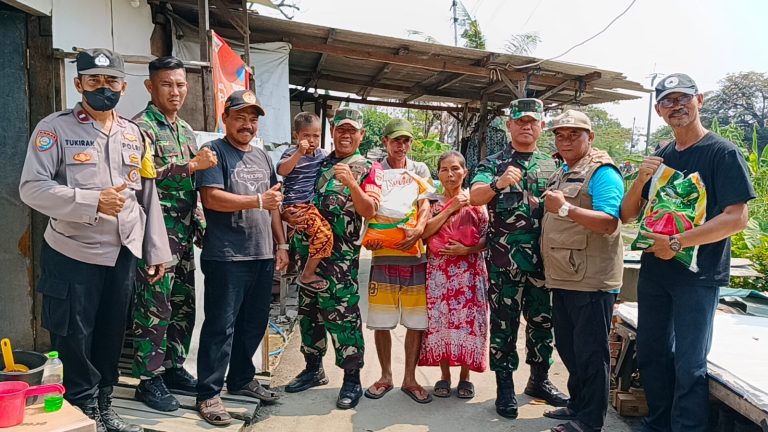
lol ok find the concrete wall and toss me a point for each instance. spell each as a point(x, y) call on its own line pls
point(112, 24)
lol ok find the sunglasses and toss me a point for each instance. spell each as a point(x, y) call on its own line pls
point(669, 102)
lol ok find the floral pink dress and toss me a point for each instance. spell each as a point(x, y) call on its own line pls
point(457, 306)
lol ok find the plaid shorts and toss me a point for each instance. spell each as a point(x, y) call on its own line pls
point(397, 293)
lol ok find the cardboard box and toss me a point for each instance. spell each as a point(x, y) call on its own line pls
point(67, 419)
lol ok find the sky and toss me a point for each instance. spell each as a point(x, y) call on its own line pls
point(707, 39)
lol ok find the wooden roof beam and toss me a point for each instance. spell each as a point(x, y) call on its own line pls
point(234, 19)
point(324, 56)
point(364, 92)
point(447, 108)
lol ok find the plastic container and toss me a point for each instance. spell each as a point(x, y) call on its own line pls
point(13, 395)
point(53, 373)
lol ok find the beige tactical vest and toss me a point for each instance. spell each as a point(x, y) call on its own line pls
point(576, 258)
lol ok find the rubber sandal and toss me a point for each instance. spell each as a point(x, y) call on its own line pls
point(254, 389)
point(411, 391)
point(564, 413)
point(467, 387)
point(378, 386)
point(319, 285)
point(212, 410)
point(440, 386)
point(574, 426)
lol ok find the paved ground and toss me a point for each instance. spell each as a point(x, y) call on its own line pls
point(315, 410)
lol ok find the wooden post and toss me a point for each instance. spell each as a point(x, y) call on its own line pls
point(483, 137)
point(204, 34)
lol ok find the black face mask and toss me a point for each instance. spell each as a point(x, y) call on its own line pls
point(102, 99)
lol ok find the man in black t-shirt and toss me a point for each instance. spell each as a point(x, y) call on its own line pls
point(676, 305)
point(240, 198)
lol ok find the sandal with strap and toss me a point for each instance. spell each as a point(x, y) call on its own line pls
point(442, 389)
point(317, 285)
point(212, 410)
point(574, 426)
point(465, 390)
point(563, 413)
point(254, 389)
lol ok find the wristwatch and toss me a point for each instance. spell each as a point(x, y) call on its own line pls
point(563, 211)
point(493, 186)
point(674, 243)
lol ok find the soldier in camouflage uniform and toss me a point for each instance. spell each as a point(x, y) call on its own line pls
point(347, 190)
point(164, 315)
point(511, 183)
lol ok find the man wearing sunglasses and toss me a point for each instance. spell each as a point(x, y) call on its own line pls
point(676, 305)
point(92, 173)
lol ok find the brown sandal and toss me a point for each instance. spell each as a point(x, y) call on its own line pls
point(254, 389)
point(212, 410)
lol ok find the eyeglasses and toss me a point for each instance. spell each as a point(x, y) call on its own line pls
point(669, 102)
point(346, 131)
point(570, 136)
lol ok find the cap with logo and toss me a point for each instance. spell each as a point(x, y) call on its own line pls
point(397, 128)
point(675, 83)
point(348, 116)
point(573, 119)
point(100, 61)
point(526, 107)
point(240, 99)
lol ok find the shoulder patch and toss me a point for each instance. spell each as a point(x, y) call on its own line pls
point(45, 140)
point(147, 163)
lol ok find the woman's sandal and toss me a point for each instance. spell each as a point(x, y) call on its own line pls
point(465, 390)
point(442, 389)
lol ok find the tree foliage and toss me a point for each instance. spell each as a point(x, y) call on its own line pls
point(470, 28)
point(374, 122)
point(610, 135)
point(523, 43)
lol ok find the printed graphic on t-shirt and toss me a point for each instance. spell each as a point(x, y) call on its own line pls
point(251, 176)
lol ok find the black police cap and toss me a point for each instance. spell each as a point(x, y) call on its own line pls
point(100, 61)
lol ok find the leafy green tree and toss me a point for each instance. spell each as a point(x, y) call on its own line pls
point(610, 135)
point(470, 28)
point(374, 122)
point(663, 133)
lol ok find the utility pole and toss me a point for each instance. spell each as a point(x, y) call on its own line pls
point(650, 107)
point(632, 138)
point(455, 23)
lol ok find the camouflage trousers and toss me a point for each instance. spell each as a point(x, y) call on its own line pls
point(335, 311)
point(163, 318)
point(511, 293)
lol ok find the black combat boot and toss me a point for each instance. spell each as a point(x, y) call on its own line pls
point(313, 375)
point(506, 402)
point(178, 380)
point(112, 421)
point(91, 410)
point(540, 387)
point(351, 390)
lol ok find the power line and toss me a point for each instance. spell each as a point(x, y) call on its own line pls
point(580, 43)
point(531, 14)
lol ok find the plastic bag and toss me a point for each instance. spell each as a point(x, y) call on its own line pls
point(676, 204)
point(463, 226)
point(400, 192)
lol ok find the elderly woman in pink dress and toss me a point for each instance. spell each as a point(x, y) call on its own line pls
point(457, 282)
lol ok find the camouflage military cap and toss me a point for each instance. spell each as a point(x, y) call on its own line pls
point(526, 107)
point(348, 116)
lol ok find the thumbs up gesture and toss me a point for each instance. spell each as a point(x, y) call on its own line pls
point(271, 199)
point(111, 200)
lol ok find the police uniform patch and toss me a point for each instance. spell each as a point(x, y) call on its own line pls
point(44, 140)
point(249, 97)
point(82, 157)
point(130, 137)
point(101, 60)
point(82, 116)
point(133, 175)
point(134, 158)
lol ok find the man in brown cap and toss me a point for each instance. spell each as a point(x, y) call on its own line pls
point(90, 171)
point(241, 197)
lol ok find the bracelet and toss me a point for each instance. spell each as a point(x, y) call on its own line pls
point(283, 246)
point(260, 203)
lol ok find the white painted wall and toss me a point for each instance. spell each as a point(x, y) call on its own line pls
point(112, 24)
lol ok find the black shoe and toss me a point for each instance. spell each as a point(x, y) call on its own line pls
point(178, 380)
point(91, 410)
point(155, 395)
point(506, 402)
point(312, 376)
point(351, 390)
point(540, 387)
point(112, 421)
